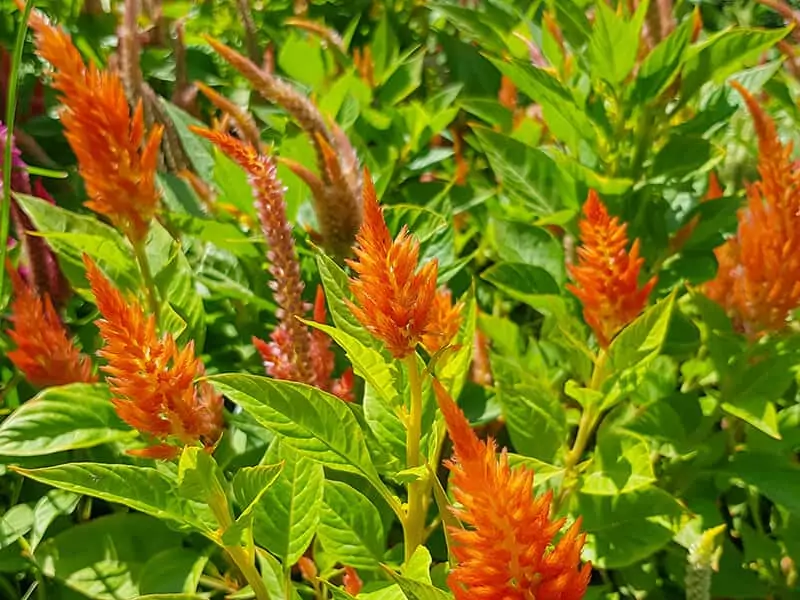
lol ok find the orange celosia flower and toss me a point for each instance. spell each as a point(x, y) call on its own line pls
point(151, 378)
point(607, 275)
point(352, 582)
point(396, 301)
point(445, 321)
point(115, 160)
point(507, 548)
point(44, 352)
point(758, 279)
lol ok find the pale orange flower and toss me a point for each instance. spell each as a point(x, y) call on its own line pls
point(758, 278)
point(444, 321)
point(45, 354)
point(507, 548)
point(352, 582)
point(115, 158)
point(151, 378)
point(396, 300)
point(607, 275)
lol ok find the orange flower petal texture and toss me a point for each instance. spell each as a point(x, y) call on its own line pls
point(115, 158)
point(45, 354)
point(607, 275)
point(507, 548)
point(758, 277)
point(395, 299)
point(151, 378)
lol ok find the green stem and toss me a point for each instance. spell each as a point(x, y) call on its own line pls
point(11, 110)
point(140, 252)
point(247, 567)
point(414, 524)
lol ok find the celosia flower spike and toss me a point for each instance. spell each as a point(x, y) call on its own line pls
point(45, 354)
point(151, 378)
point(291, 340)
point(758, 277)
point(395, 299)
point(115, 158)
point(507, 548)
point(607, 275)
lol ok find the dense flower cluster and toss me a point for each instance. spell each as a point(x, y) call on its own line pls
point(607, 274)
point(104, 135)
point(44, 352)
point(758, 278)
point(152, 379)
point(507, 549)
point(396, 299)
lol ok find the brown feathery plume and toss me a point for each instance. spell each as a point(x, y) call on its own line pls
point(250, 33)
point(45, 354)
point(245, 122)
point(336, 190)
point(151, 378)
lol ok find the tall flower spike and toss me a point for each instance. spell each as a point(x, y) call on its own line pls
point(758, 278)
point(44, 352)
point(292, 346)
point(151, 378)
point(115, 158)
point(607, 275)
point(507, 549)
point(395, 299)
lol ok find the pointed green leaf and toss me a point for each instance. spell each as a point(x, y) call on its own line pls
point(614, 44)
point(63, 418)
point(536, 419)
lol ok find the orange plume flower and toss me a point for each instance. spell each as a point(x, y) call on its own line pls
point(44, 352)
point(115, 159)
point(607, 275)
point(507, 548)
point(758, 278)
point(151, 378)
point(444, 321)
point(395, 300)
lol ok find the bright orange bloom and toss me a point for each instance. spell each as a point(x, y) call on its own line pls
point(115, 160)
point(758, 278)
point(506, 549)
point(607, 275)
point(151, 378)
point(445, 321)
point(395, 300)
point(44, 352)
point(352, 582)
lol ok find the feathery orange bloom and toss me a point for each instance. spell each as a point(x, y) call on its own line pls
point(507, 549)
point(607, 275)
point(758, 279)
point(151, 378)
point(395, 300)
point(44, 352)
point(444, 321)
point(115, 159)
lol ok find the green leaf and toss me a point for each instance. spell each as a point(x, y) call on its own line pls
point(417, 590)
point(543, 471)
point(405, 78)
point(473, 25)
point(63, 418)
point(174, 279)
point(775, 476)
point(70, 235)
point(337, 293)
point(642, 338)
point(528, 173)
point(300, 57)
point(199, 476)
point(232, 184)
point(624, 529)
point(312, 421)
point(661, 66)
point(172, 571)
point(621, 464)
point(724, 54)
point(199, 150)
point(16, 522)
point(350, 527)
point(536, 419)
point(105, 557)
point(523, 282)
point(683, 156)
point(49, 507)
point(249, 486)
point(530, 245)
point(367, 363)
point(144, 489)
point(287, 515)
point(614, 44)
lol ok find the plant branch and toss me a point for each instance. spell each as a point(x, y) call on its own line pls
point(414, 524)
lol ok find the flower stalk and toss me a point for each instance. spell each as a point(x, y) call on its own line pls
point(414, 526)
